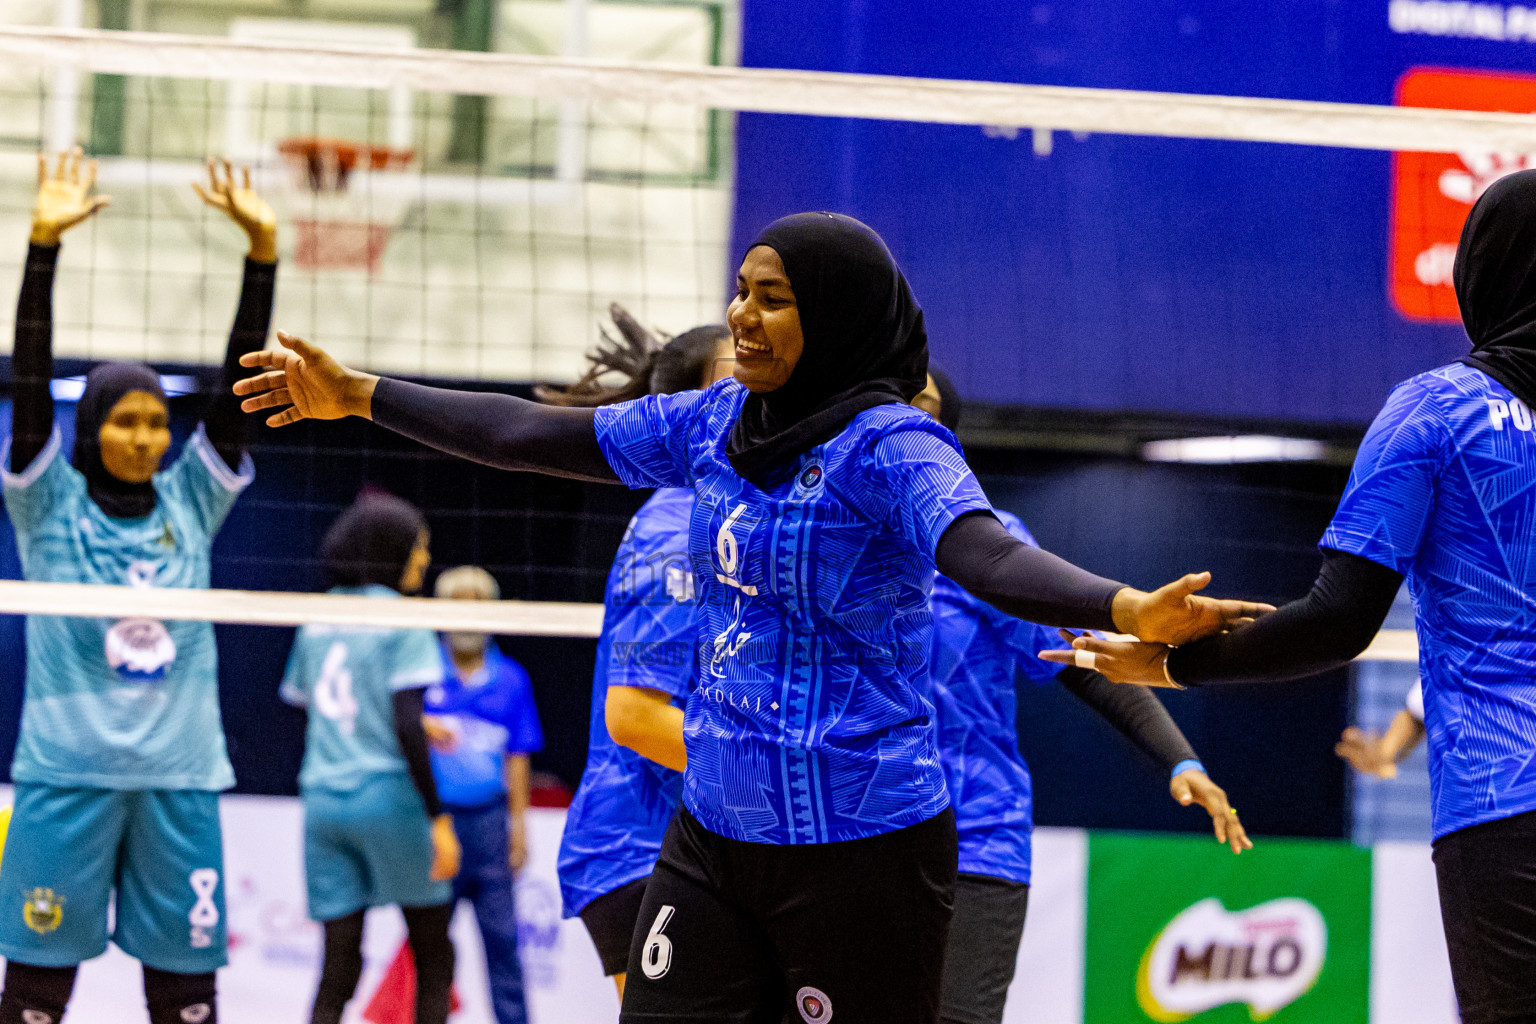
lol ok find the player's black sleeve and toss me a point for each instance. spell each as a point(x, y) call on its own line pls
point(225, 424)
point(1324, 630)
point(1134, 712)
point(32, 358)
point(979, 553)
point(497, 430)
point(409, 705)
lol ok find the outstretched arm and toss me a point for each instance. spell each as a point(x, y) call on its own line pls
point(978, 552)
point(304, 382)
point(225, 424)
point(63, 200)
point(1328, 628)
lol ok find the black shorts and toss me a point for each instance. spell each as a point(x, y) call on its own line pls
point(984, 938)
point(748, 933)
point(1487, 879)
point(610, 920)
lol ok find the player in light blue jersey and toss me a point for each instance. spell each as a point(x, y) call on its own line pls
point(978, 655)
point(1441, 493)
point(645, 664)
point(375, 832)
point(811, 867)
point(121, 754)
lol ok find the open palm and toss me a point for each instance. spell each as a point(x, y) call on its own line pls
point(64, 196)
point(1175, 614)
point(304, 378)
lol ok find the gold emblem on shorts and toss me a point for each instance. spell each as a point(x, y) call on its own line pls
point(43, 910)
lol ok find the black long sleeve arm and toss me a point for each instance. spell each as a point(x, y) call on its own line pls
point(1134, 711)
point(409, 705)
point(225, 423)
point(497, 430)
point(32, 359)
point(1324, 630)
point(979, 553)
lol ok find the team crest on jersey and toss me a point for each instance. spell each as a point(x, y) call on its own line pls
point(43, 910)
point(814, 1006)
point(810, 481)
point(140, 650)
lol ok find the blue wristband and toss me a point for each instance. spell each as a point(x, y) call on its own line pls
point(1190, 765)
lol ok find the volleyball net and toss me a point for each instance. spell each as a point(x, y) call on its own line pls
point(470, 216)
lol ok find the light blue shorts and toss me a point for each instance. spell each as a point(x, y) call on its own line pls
point(68, 848)
point(368, 847)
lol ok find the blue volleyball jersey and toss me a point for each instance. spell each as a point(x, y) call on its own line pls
point(812, 721)
point(978, 653)
point(128, 703)
point(490, 716)
point(345, 677)
point(621, 810)
point(1441, 491)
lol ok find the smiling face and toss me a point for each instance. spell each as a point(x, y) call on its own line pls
point(134, 437)
point(765, 323)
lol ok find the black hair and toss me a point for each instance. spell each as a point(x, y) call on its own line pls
point(371, 542)
point(650, 363)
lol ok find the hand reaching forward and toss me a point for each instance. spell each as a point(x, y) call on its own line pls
point(242, 205)
point(63, 198)
point(307, 380)
point(1196, 787)
point(1368, 753)
point(1175, 615)
point(1121, 661)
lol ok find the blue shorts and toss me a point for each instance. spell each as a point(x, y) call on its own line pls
point(68, 848)
point(368, 847)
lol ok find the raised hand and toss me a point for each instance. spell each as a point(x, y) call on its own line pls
point(241, 204)
point(64, 196)
point(307, 380)
point(1196, 787)
point(1120, 661)
point(1174, 614)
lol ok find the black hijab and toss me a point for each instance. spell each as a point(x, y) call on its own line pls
point(864, 342)
point(105, 386)
point(1495, 277)
point(950, 402)
point(371, 542)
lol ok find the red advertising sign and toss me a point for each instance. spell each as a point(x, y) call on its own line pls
point(1433, 192)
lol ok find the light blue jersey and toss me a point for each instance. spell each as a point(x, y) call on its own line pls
point(131, 703)
point(346, 677)
point(812, 721)
point(978, 654)
point(625, 802)
point(1441, 491)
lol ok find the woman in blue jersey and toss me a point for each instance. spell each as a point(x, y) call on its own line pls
point(121, 755)
point(1440, 494)
point(978, 653)
point(645, 662)
point(375, 833)
point(811, 868)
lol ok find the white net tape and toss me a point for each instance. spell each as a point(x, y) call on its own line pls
point(1114, 111)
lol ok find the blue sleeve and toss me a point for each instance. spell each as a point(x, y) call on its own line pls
point(920, 484)
point(654, 630)
point(417, 661)
point(646, 441)
point(524, 736)
point(31, 494)
point(202, 482)
point(1390, 498)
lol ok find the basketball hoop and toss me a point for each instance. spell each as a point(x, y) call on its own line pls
point(343, 206)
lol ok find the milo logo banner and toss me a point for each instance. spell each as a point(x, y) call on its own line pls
point(1179, 929)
